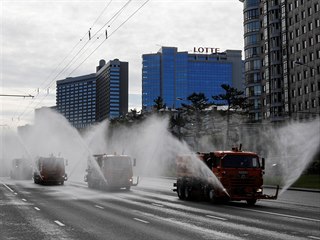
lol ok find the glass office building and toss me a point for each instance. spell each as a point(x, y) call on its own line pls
point(175, 75)
point(95, 97)
point(112, 89)
point(76, 100)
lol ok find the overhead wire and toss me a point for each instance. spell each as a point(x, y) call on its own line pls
point(116, 15)
point(111, 34)
point(70, 52)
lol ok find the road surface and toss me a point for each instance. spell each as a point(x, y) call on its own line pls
point(149, 211)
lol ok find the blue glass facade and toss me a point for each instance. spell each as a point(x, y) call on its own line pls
point(176, 75)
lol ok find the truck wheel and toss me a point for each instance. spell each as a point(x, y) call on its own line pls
point(180, 192)
point(187, 194)
point(211, 196)
point(251, 202)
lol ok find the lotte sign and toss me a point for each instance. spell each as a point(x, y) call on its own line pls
point(206, 50)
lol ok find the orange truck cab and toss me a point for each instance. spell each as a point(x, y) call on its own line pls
point(239, 172)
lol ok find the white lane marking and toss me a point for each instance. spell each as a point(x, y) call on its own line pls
point(36, 208)
point(156, 204)
point(97, 206)
point(7, 187)
point(283, 215)
point(59, 223)
point(214, 217)
point(313, 237)
point(15, 193)
point(23, 199)
point(140, 220)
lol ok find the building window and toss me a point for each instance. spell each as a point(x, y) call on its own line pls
point(316, 7)
point(309, 11)
point(304, 44)
point(303, 14)
point(311, 56)
point(311, 41)
point(307, 104)
point(299, 91)
point(304, 29)
point(310, 26)
point(313, 103)
point(306, 89)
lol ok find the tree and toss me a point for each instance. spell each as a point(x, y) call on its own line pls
point(159, 104)
point(199, 102)
point(234, 99)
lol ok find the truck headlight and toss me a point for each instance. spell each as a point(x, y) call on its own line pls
point(259, 190)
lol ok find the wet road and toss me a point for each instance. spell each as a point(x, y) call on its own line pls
point(149, 211)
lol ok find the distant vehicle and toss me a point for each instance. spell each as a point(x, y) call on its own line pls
point(21, 169)
point(50, 170)
point(111, 172)
point(240, 173)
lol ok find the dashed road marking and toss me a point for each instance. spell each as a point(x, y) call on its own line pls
point(156, 204)
point(97, 206)
point(284, 215)
point(59, 223)
point(313, 237)
point(36, 208)
point(23, 199)
point(218, 218)
point(140, 220)
point(8, 187)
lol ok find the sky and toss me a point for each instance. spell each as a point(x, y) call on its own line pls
point(43, 41)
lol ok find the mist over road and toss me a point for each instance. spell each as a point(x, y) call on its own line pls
point(149, 211)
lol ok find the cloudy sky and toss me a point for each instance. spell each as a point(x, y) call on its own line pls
point(47, 40)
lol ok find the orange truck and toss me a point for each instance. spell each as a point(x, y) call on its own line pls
point(50, 170)
point(237, 175)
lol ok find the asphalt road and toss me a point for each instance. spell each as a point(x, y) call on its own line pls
point(149, 211)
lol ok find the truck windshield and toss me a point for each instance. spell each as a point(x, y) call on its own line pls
point(240, 161)
point(118, 162)
point(53, 163)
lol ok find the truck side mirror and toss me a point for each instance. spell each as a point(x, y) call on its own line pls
point(263, 163)
point(134, 162)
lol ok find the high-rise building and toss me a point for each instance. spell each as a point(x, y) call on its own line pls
point(282, 58)
point(76, 100)
point(174, 75)
point(95, 97)
point(112, 89)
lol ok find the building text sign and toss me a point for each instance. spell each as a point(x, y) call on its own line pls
point(206, 50)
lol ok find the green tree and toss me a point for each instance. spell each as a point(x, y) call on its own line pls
point(234, 99)
point(159, 104)
point(199, 102)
